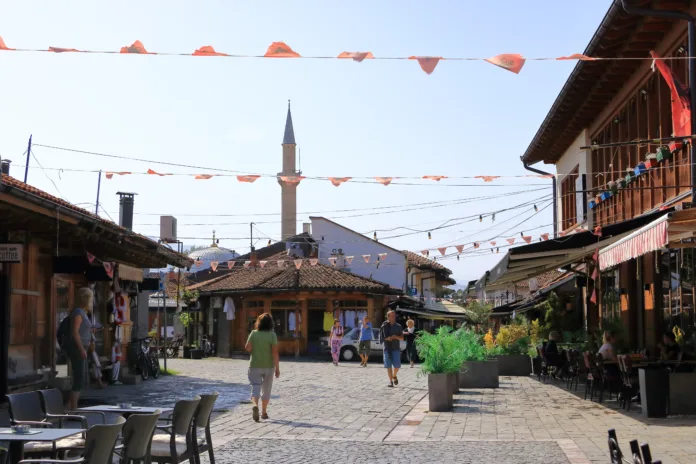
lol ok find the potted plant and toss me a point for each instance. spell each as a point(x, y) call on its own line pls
point(478, 368)
point(185, 320)
point(195, 352)
point(663, 153)
point(650, 161)
point(441, 357)
point(513, 342)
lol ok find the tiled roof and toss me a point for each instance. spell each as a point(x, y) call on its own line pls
point(274, 278)
point(134, 238)
point(421, 262)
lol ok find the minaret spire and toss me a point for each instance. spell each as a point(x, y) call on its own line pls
point(289, 136)
point(288, 189)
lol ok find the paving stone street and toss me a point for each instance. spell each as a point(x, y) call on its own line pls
point(320, 413)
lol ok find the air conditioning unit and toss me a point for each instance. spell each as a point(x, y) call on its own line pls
point(168, 229)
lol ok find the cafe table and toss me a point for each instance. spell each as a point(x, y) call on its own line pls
point(17, 440)
point(126, 412)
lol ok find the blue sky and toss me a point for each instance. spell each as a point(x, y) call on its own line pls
point(376, 118)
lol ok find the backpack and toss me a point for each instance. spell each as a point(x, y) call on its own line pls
point(63, 331)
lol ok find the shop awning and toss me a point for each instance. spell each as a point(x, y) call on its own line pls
point(431, 314)
point(527, 261)
point(660, 233)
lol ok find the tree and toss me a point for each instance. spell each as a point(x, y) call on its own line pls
point(479, 314)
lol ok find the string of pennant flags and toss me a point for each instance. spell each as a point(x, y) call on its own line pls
point(513, 62)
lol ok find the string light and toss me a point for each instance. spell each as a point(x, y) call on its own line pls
point(430, 237)
point(493, 218)
point(269, 242)
point(457, 257)
point(522, 234)
point(375, 235)
point(497, 250)
point(480, 218)
point(536, 209)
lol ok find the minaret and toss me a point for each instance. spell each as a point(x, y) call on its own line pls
point(288, 191)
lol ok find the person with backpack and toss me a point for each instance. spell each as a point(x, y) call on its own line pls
point(75, 340)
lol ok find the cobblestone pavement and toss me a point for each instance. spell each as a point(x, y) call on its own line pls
point(348, 408)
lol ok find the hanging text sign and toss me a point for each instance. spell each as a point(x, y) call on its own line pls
point(11, 252)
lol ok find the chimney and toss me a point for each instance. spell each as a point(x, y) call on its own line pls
point(5, 166)
point(307, 228)
point(253, 257)
point(125, 210)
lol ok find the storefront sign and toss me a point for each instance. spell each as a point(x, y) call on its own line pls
point(11, 252)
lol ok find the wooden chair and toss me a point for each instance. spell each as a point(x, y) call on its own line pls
point(176, 443)
point(137, 438)
point(201, 420)
point(99, 446)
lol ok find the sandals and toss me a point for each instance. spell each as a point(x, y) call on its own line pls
point(264, 416)
point(396, 381)
point(255, 413)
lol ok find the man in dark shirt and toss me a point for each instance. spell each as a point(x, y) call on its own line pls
point(669, 348)
point(391, 335)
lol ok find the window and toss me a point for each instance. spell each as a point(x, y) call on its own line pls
point(284, 313)
point(255, 309)
point(351, 312)
point(569, 213)
point(677, 289)
point(611, 295)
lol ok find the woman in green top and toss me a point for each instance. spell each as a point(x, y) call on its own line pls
point(263, 346)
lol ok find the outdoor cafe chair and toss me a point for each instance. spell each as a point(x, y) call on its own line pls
point(176, 443)
point(54, 408)
point(201, 420)
point(137, 438)
point(641, 454)
point(25, 409)
point(592, 380)
point(99, 446)
point(615, 453)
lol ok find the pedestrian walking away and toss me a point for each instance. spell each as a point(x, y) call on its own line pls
point(410, 334)
point(263, 364)
point(365, 341)
point(77, 339)
point(390, 334)
point(336, 340)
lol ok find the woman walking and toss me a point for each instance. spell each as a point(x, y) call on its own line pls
point(77, 342)
point(410, 335)
point(336, 340)
point(263, 346)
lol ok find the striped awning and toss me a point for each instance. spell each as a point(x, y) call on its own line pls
point(648, 238)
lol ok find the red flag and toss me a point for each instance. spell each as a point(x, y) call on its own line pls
point(138, 48)
point(90, 258)
point(384, 180)
point(292, 180)
point(249, 179)
point(62, 50)
point(476, 245)
point(109, 175)
point(336, 181)
point(597, 231)
point(511, 241)
point(208, 51)
point(298, 263)
point(513, 62)
point(424, 252)
point(593, 299)
point(527, 238)
point(435, 178)
point(349, 259)
point(3, 46)
point(681, 106)
point(204, 176)
point(544, 236)
point(595, 274)
point(487, 178)
point(442, 250)
point(459, 248)
point(366, 258)
point(493, 243)
point(427, 63)
point(576, 56)
point(262, 263)
point(281, 50)
point(214, 265)
point(313, 261)
point(150, 171)
point(230, 264)
point(332, 260)
point(356, 56)
point(247, 264)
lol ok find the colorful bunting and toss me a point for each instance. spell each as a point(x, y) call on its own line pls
point(208, 51)
point(332, 260)
point(214, 265)
point(544, 236)
point(527, 238)
point(313, 261)
point(204, 176)
point(459, 248)
point(357, 56)
point(487, 178)
point(512, 62)
point(150, 171)
point(262, 264)
point(366, 258)
point(336, 181)
point(63, 50)
point(292, 180)
point(384, 180)
point(137, 48)
point(575, 56)
point(109, 175)
point(492, 243)
point(281, 50)
point(90, 257)
point(381, 256)
point(435, 178)
point(298, 263)
point(248, 179)
point(109, 269)
point(511, 241)
point(247, 264)
point(349, 259)
point(443, 251)
point(427, 63)
point(3, 46)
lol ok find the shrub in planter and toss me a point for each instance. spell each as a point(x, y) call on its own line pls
point(478, 369)
point(513, 343)
point(441, 358)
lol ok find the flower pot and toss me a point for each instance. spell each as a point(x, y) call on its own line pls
point(592, 204)
point(663, 153)
point(196, 353)
point(651, 161)
point(439, 388)
point(675, 147)
point(605, 196)
point(640, 169)
point(479, 374)
point(613, 188)
point(630, 177)
point(515, 365)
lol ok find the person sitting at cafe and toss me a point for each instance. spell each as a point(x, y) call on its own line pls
point(551, 352)
point(669, 348)
point(607, 349)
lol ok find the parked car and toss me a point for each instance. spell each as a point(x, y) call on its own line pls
point(351, 339)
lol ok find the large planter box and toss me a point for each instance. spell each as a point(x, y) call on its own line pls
point(439, 392)
point(479, 374)
point(454, 378)
point(514, 365)
point(196, 353)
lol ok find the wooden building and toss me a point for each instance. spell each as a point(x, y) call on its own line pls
point(50, 248)
point(629, 194)
point(300, 294)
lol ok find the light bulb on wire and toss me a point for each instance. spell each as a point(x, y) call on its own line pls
point(374, 236)
point(481, 218)
point(430, 237)
point(493, 218)
point(269, 242)
point(457, 257)
point(535, 208)
point(521, 234)
point(497, 250)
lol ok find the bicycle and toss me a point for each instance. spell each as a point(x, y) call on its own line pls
point(147, 360)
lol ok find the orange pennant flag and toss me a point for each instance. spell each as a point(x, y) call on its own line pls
point(214, 265)
point(435, 178)
point(3, 46)
point(109, 175)
point(281, 263)
point(544, 236)
point(150, 171)
point(476, 245)
point(230, 264)
point(487, 178)
point(349, 259)
point(427, 63)
point(562, 233)
point(492, 243)
point(62, 50)
point(459, 248)
point(313, 261)
point(366, 258)
point(357, 56)
point(542, 176)
point(442, 250)
point(424, 252)
point(511, 241)
point(298, 263)
point(137, 48)
point(576, 56)
point(281, 50)
point(246, 264)
point(339, 180)
point(204, 176)
point(249, 179)
point(384, 180)
point(332, 260)
point(294, 180)
point(527, 239)
point(208, 51)
point(513, 62)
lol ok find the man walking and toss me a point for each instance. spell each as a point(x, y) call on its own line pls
point(365, 341)
point(390, 335)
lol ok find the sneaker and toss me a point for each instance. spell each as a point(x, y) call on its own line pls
point(391, 385)
point(255, 413)
point(116, 382)
point(396, 381)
